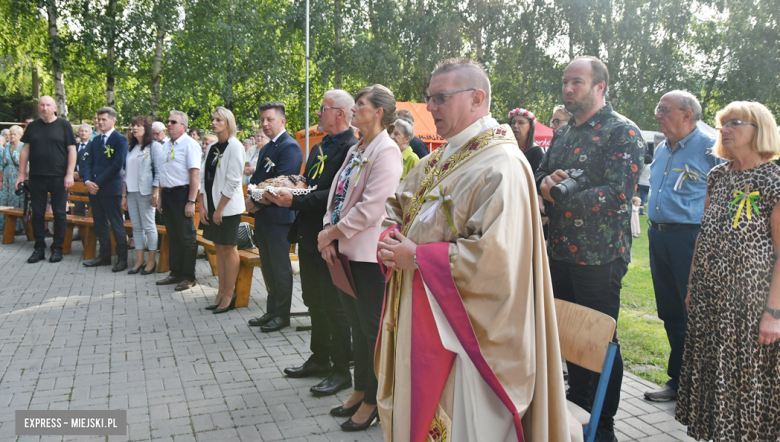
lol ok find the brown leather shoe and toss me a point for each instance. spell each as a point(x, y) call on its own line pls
point(184, 285)
point(170, 280)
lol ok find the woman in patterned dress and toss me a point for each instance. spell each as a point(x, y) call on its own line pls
point(9, 171)
point(730, 381)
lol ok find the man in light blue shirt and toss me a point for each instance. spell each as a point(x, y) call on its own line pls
point(678, 188)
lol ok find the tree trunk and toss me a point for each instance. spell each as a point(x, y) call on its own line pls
point(36, 84)
point(110, 56)
point(154, 101)
point(337, 43)
point(56, 63)
point(711, 82)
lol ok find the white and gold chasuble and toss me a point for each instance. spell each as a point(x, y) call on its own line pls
point(472, 204)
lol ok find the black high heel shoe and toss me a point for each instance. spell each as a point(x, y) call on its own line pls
point(211, 307)
point(351, 426)
point(149, 272)
point(232, 306)
point(345, 412)
point(134, 271)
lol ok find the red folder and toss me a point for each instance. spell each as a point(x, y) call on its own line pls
point(341, 274)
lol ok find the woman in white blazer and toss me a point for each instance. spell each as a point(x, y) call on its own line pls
point(222, 203)
point(137, 195)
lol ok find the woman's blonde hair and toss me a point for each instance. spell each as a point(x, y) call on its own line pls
point(229, 118)
point(381, 98)
point(766, 140)
point(17, 129)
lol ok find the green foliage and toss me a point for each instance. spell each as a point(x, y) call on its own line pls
point(240, 53)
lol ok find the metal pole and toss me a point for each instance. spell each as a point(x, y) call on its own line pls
point(306, 117)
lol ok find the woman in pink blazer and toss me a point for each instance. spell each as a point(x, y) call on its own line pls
point(356, 208)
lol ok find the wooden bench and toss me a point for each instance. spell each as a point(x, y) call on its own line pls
point(248, 260)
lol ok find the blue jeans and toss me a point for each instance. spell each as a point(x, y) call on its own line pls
point(643, 191)
point(671, 255)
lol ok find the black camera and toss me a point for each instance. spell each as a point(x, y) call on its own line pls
point(21, 189)
point(568, 187)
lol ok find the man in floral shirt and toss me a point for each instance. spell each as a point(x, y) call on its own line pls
point(590, 234)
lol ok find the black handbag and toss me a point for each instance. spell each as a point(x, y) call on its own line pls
point(245, 241)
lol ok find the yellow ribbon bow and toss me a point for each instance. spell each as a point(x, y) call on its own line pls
point(745, 198)
point(441, 200)
point(171, 155)
point(108, 151)
point(319, 166)
point(685, 173)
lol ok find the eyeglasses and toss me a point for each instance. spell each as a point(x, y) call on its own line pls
point(324, 108)
point(556, 121)
point(663, 110)
point(173, 122)
point(438, 99)
point(734, 123)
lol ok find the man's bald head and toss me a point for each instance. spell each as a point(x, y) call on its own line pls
point(469, 74)
point(47, 108)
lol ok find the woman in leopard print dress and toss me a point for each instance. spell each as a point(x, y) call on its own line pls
point(730, 381)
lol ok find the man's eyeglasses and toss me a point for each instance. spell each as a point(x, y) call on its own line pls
point(438, 99)
point(156, 133)
point(556, 121)
point(663, 110)
point(324, 108)
point(734, 123)
point(174, 122)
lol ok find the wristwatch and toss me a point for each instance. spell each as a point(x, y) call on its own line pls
point(190, 202)
point(775, 312)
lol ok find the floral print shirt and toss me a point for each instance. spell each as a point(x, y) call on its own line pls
point(342, 187)
point(593, 226)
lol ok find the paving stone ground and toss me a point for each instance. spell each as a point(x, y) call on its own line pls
point(74, 338)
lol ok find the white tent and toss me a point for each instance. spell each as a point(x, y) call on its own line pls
point(706, 128)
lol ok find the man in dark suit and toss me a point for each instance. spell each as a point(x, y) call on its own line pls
point(281, 156)
point(85, 134)
point(105, 158)
point(330, 340)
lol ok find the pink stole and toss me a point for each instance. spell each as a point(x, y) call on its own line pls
point(431, 363)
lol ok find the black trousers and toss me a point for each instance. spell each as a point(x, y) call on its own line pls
point(330, 339)
point(107, 210)
point(671, 255)
point(183, 247)
point(40, 187)
point(274, 250)
point(364, 315)
point(597, 287)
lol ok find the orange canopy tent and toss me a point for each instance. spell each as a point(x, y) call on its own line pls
point(423, 127)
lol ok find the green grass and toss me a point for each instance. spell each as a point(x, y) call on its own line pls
point(642, 336)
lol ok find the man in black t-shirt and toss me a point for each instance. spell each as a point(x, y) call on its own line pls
point(50, 148)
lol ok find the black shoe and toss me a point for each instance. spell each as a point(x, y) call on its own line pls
point(76, 237)
point(49, 234)
point(120, 266)
point(605, 435)
point(332, 384)
point(345, 412)
point(309, 368)
point(37, 255)
point(149, 272)
point(134, 271)
point(263, 320)
point(231, 306)
point(351, 426)
point(98, 262)
point(275, 324)
point(56, 255)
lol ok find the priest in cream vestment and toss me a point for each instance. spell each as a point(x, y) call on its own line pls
point(468, 348)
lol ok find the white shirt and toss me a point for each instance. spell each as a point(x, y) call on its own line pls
point(279, 135)
point(107, 134)
point(178, 157)
point(131, 169)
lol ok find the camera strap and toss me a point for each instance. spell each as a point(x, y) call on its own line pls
point(26, 209)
